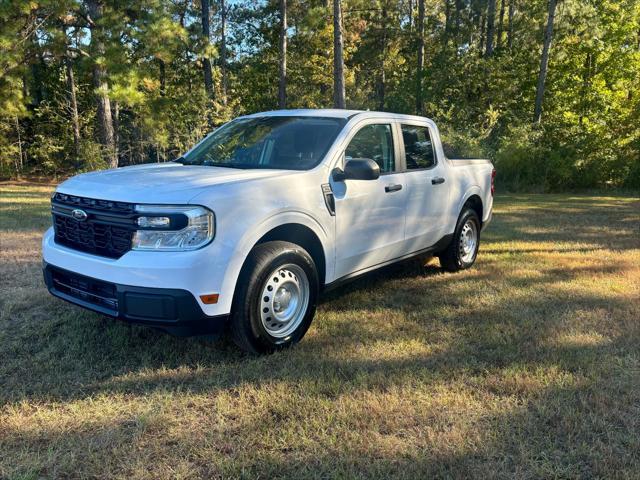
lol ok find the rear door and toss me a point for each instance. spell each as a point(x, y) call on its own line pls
point(428, 186)
point(370, 213)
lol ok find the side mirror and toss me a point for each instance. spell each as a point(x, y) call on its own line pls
point(357, 169)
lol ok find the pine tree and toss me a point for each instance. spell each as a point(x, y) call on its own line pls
point(338, 57)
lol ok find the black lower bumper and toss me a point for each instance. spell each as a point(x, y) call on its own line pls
point(173, 310)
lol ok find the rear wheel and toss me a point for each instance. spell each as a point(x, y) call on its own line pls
point(463, 249)
point(275, 300)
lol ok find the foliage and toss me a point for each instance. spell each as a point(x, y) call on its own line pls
point(153, 51)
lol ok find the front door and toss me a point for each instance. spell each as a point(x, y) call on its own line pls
point(370, 213)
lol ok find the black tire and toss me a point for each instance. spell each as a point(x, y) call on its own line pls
point(452, 259)
point(246, 325)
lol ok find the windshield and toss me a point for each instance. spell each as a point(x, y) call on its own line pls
point(290, 143)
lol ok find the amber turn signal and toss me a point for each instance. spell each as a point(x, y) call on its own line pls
point(209, 299)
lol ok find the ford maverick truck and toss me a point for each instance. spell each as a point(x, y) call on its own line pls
point(245, 231)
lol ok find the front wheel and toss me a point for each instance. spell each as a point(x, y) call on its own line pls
point(463, 249)
point(275, 299)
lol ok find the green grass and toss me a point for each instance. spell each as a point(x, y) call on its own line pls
point(527, 366)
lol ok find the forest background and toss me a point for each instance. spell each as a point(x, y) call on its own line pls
point(549, 90)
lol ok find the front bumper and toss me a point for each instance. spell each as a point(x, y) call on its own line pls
point(173, 310)
point(199, 272)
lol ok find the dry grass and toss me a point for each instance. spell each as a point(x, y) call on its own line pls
point(526, 366)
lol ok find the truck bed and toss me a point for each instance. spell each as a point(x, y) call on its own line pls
point(460, 162)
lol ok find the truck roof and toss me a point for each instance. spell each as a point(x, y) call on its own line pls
point(332, 113)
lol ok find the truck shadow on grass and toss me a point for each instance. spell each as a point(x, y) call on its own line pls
point(73, 354)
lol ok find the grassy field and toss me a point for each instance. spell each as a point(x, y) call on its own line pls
point(526, 366)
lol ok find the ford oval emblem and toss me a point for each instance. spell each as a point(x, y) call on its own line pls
point(79, 215)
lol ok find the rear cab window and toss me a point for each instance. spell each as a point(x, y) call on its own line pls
point(418, 147)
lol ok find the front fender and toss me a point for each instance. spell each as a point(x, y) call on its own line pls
point(251, 238)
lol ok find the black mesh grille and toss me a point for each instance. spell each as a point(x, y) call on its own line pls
point(90, 290)
point(106, 231)
point(92, 203)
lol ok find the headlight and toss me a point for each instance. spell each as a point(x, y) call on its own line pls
point(170, 228)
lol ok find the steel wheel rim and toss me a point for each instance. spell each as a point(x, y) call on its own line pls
point(284, 301)
point(468, 241)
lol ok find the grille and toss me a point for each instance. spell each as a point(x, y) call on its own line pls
point(90, 290)
point(101, 205)
point(107, 230)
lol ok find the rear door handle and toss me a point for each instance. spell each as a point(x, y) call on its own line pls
point(393, 188)
point(437, 181)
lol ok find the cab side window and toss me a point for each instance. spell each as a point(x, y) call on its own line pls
point(418, 147)
point(374, 142)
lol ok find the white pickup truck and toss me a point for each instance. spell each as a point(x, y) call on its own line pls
point(247, 228)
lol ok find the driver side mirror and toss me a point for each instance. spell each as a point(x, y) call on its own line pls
point(357, 169)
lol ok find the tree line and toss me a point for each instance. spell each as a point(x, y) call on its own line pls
point(546, 88)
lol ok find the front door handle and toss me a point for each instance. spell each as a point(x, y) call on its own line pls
point(437, 181)
point(393, 188)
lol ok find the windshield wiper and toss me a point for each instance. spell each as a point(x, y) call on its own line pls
point(241, 166)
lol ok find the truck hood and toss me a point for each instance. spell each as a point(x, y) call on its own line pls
point(158, 183)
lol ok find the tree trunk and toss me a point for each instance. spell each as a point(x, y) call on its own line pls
point(474, 24)
point(584, 90)
point(25, 93)
point(116, 128)
point(491, 14)
point(544, 62)
point(25, 84)
point(163, 77)
point(630, 92)
point(338, 58)
point(18, 163)
point(73, 106)
point(512, 8)
point(383, 53)
point(447, 22)
point(223, 50)
point(36, 74)
point(483, 24)
point(99, 71)
point(182, 14)
point(282, 85)
point(501, 23)
point(206, 62)
point(73, 103)
point(458, 20)
point(420, 66)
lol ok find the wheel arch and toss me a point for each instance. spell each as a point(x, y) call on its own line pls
point(475, 203)
point(472, 199)
point(300, 235)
